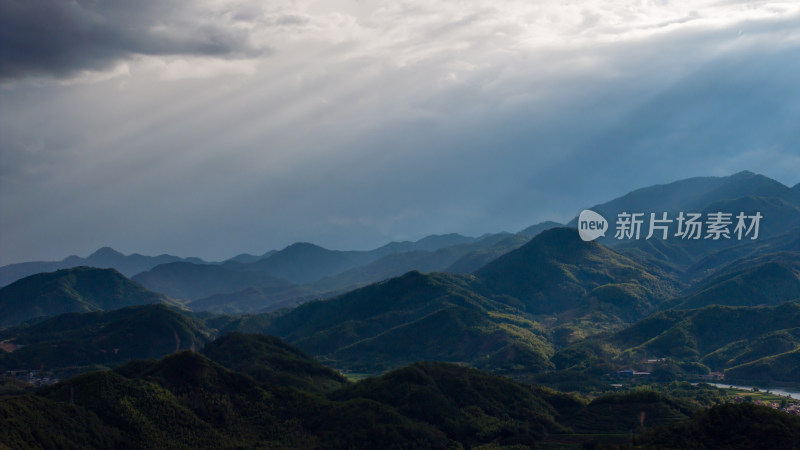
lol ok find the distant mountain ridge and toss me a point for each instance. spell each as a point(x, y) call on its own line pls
point(79, 289)
point(131, 265)
point(238, 287)
point(187, 281)
point(742, 192)
point(695, 194)
point(304, 263)
point(104, 258)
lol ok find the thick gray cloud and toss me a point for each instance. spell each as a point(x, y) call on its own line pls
point(62, 37)
point(374, 121)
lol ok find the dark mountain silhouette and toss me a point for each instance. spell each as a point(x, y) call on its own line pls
point(80, 289)
point(104, 258)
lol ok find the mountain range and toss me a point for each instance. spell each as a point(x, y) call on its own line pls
point(501, 340)
point(513, 315)
point(742, 192)
point(104, 258)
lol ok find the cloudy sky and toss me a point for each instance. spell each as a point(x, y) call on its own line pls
point(215, 127)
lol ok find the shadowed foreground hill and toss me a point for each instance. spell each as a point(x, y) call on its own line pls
point(271, 361)
point(729, 426)
point(182, 401)
point(106, 338)
point(81, 289)
point(186, 400)
point(415, 317)
point(462, 402)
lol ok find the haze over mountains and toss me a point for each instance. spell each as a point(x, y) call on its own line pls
point(295, 274)
point(556, 273)
point(742, 192)
point(104, 258)
point(512, 315)
point(303, 271)
point(538, 306)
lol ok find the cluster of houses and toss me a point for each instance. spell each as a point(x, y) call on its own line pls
point(34, 377)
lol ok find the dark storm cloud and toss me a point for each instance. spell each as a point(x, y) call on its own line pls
point(60, 37)
point(377, 125)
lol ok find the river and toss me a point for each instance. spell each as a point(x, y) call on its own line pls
point(777, 391)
